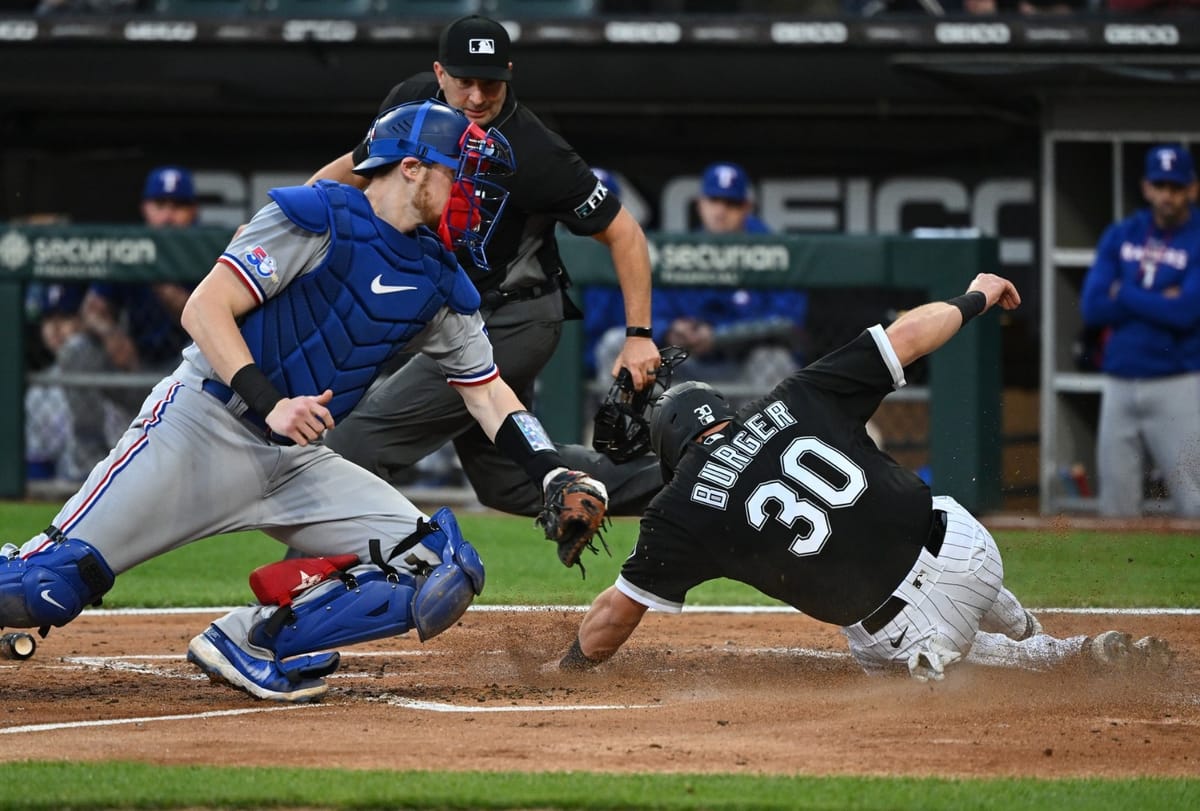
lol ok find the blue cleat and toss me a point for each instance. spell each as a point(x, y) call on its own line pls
point(297, 680)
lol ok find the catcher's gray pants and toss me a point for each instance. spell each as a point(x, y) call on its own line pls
point(414, 411)
point(1160, 416)
point(188, 469)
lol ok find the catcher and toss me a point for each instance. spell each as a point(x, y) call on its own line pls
point(290, 326)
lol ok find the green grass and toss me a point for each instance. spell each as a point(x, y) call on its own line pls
point(59, 786)
point(1066, 569)
point(1046, 569)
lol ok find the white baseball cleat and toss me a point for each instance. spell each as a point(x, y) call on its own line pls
point(1109, 650)
point(9, 551)
point(1153, 654)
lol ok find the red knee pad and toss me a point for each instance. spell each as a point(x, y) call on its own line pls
point(283, 581)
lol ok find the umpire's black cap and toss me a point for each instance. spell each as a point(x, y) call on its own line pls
point(475, 47)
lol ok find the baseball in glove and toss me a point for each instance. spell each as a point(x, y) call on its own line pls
point(574, 515)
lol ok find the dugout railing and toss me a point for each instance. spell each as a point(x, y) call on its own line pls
point(964, 380)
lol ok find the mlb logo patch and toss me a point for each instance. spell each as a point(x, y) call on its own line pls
point(482, 46)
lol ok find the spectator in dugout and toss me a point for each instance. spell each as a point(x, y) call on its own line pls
point(49, 438)
point(127, 328)
point(739, 336)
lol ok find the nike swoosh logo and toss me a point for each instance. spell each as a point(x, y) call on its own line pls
point(896, 642)
point(379, 288)
point(46, 596)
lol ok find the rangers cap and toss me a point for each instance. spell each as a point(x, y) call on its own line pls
point(726, 181)
point(169, 183)
point(1170, 163)
point(475, 47)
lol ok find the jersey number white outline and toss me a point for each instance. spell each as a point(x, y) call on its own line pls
point(792, 507)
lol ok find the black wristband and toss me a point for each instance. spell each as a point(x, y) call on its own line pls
point(253, 386)
point(969, 304)
point(523, 439)
point(576, 660)
point(639, 332)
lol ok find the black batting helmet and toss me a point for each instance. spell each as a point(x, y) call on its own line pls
point(680, 415)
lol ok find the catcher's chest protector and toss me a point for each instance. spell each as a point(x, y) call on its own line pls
point(377, 288)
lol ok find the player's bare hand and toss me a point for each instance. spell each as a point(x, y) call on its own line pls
point(302, 419)
point(640, 356)
point(997, 289)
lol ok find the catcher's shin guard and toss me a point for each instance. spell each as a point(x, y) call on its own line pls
point(52, 587)
point(379, 603)
point(373, 606)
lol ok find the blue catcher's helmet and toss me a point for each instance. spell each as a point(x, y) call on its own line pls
point(433, 132)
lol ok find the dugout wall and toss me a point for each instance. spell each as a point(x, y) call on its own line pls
point(965, 404)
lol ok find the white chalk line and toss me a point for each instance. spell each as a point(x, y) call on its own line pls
point(687, 609)
point(141, 663)
point(436, 706)
point(197, 716)
point(123, 662)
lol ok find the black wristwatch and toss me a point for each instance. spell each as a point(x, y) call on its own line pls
point(638, 332)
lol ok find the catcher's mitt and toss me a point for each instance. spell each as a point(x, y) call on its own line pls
point(620, 430)
point(573, 515)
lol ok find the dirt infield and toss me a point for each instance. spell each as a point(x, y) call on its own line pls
point(740, 693)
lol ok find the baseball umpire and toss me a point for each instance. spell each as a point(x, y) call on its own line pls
point(289, 327)
point(412, 413)
point(790, 495)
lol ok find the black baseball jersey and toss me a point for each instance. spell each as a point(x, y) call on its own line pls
point(551, 184)
point(793, 498)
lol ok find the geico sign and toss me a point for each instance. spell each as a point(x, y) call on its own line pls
point(972, 33)
point(809, 33)
point(1141, 35)
point(856, 205)
point(643, 32)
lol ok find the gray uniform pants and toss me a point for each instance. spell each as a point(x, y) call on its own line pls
point(188, 469)
point(1158, 416)
point(414, 411)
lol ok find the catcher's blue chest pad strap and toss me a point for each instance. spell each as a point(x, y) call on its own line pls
point(52, 587)
point(333, 327)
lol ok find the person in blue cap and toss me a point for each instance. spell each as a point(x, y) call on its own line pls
point(169, 198)
point(726, 203)
point(1143, 293)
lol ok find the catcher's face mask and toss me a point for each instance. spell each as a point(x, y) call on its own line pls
point(621, 430)
point(476, 199)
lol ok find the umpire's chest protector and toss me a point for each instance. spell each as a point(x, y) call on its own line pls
point(332, 327)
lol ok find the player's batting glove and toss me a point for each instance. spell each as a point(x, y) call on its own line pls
point(928, 662)
point(573, 514)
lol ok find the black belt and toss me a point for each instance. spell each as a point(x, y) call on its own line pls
point(495, 297)
point(894, 605)
point(224, 394)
